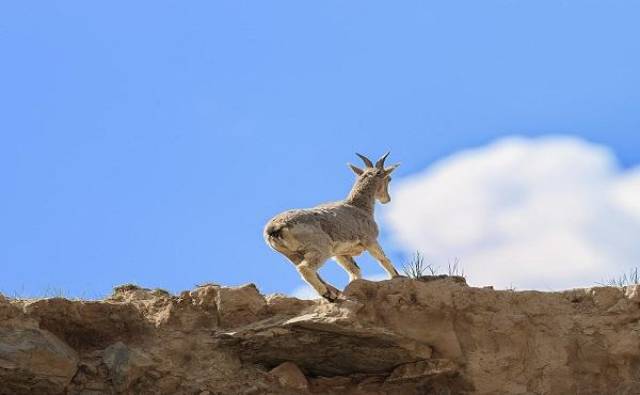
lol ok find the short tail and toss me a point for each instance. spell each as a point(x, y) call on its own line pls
point(273, 232)
point(273, 236)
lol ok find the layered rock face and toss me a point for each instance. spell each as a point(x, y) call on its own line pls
point(402, 336)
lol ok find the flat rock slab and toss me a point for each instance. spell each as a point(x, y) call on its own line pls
point(325, 347)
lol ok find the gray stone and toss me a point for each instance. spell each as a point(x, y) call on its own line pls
point(35, 360)
point(125, 365)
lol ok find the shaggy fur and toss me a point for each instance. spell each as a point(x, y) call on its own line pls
point(344, 229)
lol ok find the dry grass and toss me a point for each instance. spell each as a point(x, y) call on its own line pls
point(417, 267)
point(52, 292)
point(624, 280)
point(454, 268)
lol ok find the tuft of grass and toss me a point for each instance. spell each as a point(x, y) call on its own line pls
point(633, 278)
point(417, 267)
point(90, 295)
point(54, 292)
point(126, 287)
point(454, 268)
point(16, 294)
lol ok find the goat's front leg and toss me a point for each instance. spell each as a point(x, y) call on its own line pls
point(376, 251)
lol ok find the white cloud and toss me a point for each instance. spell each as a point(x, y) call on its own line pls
point(547, 213)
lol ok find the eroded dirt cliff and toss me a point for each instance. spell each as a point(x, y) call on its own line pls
point(402, 336)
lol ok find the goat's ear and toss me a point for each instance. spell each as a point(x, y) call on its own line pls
point(391, 168)
point(355, 169)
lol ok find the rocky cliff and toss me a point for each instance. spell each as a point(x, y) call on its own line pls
point(430, 336)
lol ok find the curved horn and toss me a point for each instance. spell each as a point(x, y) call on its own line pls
point(365, 160)
point(380, 162)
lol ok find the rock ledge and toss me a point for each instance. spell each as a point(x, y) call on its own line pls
point(401, 336)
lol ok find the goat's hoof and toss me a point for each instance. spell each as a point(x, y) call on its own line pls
point(331, 296)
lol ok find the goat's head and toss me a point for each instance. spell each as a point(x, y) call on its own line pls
point(377, 176)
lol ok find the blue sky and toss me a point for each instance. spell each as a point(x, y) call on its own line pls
point(149, 142)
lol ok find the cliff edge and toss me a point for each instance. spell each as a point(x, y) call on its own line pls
point(435, 335)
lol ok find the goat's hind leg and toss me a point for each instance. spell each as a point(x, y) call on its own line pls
point(308, 270)
point(349, 264)
point(312, 278)
point(333, 294)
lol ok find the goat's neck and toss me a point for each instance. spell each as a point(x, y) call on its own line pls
point(362, 194)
